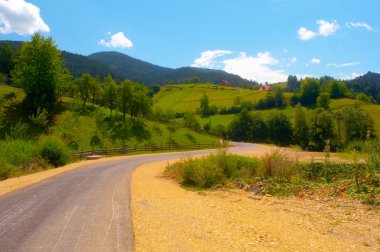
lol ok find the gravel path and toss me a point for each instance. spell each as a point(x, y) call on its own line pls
point(167, 217)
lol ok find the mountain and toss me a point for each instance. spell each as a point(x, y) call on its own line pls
point(144, 72)
point(122, 66)
point(79, 64)
point(368, 83)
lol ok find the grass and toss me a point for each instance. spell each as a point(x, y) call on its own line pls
point(213, 170)
point(185, 98)
point(276, 174)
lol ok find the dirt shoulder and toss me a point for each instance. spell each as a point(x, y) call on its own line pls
point(167, 217)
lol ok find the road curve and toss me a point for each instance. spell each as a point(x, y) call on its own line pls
point(80, 210)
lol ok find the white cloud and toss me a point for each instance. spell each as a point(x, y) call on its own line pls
point(305, 34)
point(255, 67)
point(293, 60)
point(349, 64)
point(118, 40)
point(352, 76)
point(315, 61)
point(207, 59)
point(360, 25)
point(327, 29)
point(324, 29)
point(21, 17)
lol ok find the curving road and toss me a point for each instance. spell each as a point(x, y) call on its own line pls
point(81, 210)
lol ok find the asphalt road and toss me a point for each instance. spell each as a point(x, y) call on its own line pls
point(86, 209)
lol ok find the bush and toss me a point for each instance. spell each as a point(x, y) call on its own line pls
point(278, 165)
point(196, 172)
point(54, 151)
point(216, 169)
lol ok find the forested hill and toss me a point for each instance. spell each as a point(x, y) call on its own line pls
point(122, 66)
point(148, 73)
point(368, 83)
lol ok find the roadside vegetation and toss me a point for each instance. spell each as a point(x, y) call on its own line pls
point(277, 174)
point(46, 114)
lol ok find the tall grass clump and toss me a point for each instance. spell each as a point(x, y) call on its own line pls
point(278, 165)
point(215, 169)
point(54, 151)
point(16, 156)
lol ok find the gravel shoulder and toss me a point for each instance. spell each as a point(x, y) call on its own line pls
point(167, 217)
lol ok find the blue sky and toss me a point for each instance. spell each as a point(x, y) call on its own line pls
point(259, 40)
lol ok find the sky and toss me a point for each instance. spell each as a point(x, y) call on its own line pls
point(263, 40)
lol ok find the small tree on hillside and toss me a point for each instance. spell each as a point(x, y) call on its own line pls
point(124, 96)
point(38, 69)
point(301, 128)
point(309, 91)
point(204, 107)
point(110, 95)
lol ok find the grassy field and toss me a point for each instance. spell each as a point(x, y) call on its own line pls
point(372, 109)
point(183, 98)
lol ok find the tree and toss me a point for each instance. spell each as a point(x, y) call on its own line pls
point(293, 85)
point(309, 91)
point(85, 85)
point(96, 91)
point(259, 128)
point(241, 127)
point(323, 100)
point(140, 104)
point(6, 59)
point(321, 129)
point(110, 94)
point(204, 107)
point(279, 129)
point(39, 69)
point(357, 123)
point(191, 122)
point(300, 128)
point(124, 96)
point(278, 97)
point(65, 86)
point(336, 89)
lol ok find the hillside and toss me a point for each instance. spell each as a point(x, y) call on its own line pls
point(186, 98)
point(122, 66)
point(147, 73)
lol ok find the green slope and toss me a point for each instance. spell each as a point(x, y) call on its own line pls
point(184, 98)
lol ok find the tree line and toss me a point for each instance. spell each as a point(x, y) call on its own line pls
point(308, 130)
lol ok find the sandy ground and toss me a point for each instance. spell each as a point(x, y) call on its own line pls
point(167, 217)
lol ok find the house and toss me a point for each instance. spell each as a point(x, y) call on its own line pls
point(266, 87)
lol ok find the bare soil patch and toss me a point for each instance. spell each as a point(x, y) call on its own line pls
point(167, 217)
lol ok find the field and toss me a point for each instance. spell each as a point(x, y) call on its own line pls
point(184, 98)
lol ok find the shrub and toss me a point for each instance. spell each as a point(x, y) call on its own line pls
point(216, 169)
point(278, 165)
point(54, 151)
